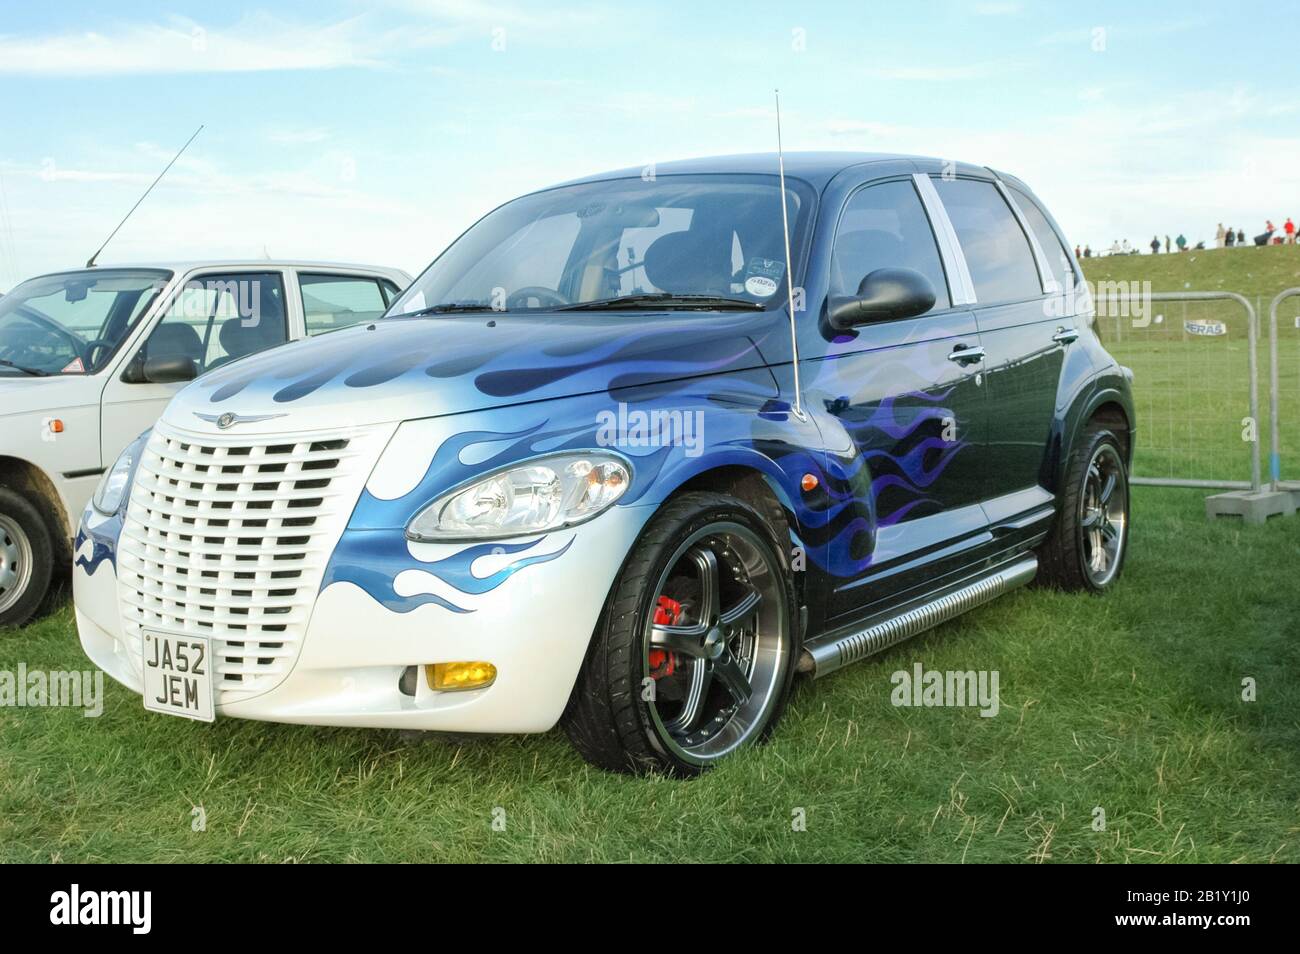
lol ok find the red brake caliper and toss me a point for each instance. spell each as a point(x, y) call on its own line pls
point(662, 662)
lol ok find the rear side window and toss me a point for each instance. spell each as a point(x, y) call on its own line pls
point(885, 226)
point(997, 252)
point(330, 302)
point(1058, 259)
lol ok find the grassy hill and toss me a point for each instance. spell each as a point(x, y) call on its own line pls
point(1253, 272)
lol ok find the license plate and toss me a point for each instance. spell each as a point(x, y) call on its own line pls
point(178, 675)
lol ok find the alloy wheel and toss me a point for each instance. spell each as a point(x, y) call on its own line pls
point(717, 644)
point(1103, 521)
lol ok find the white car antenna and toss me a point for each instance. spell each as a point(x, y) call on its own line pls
point(789, 266)
point(91, 263)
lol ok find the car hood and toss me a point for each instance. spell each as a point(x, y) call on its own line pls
point(404, 368)
point(25, 394)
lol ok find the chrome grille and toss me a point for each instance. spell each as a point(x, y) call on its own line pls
point(230, 540)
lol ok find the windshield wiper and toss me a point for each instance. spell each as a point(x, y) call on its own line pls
point(446, 308)
point(36, 372)
point(665, 300)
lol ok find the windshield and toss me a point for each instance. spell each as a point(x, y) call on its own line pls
point(72, 323)
point(714, 238)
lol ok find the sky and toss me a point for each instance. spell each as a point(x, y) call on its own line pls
point(377, 132)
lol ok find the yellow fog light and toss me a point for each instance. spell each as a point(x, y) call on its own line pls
point(454, 676)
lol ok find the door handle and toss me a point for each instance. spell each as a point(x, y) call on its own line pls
point(964, 354)
point(1065, 335)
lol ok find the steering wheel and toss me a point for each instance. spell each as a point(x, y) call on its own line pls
point(50, 326)
point(545, 296)
point(90, 347)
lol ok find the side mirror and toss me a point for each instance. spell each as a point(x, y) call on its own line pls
point(168, 368)
point(886, 294)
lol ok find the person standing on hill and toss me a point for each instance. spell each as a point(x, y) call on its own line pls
point(1169, 246)
point(1289, 228)
point(1231, 237)
point(1219, 233)
point(1155, 245)
point(1087, 251)
point(1241, 236)
point(1181, 241)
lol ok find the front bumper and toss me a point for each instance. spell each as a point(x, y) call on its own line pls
point(534, 625)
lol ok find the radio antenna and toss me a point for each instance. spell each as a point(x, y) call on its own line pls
point(91, 263)
point(789, 266)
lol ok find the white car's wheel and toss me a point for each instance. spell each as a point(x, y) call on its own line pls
point(26, 558)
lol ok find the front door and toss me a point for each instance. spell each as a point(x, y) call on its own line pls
point(212, 319)
point(909, 407)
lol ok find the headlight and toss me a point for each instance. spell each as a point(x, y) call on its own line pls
point(535, 496)
point(114, 485)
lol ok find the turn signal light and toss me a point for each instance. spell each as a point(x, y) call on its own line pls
point(455, 676)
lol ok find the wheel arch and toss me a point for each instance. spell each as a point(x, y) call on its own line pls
point(1108, 400)
point(760, 490)
point(29, 479)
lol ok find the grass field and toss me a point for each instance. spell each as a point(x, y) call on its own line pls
point(1130, 703)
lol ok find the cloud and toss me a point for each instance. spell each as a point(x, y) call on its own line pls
point(294, 137)
point(255, 43)
point(936, 74)
point(484, 14)
point(1178, 161)
point(853, 127)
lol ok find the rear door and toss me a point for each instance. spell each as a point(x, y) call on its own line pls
point(1019, 331)
point(333, 300)
point(212, 318)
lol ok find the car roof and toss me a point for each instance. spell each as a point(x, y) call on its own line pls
point(817, 168)
point(189, 265)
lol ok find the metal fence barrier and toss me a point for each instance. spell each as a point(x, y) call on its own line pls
point(1275, 390)
point(1197, 432)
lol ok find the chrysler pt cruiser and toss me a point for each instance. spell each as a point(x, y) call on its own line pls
point(628, 457)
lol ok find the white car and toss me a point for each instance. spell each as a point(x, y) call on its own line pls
point(90, 357)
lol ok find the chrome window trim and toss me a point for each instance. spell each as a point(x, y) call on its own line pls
point(1045, 277)
point(961, 288)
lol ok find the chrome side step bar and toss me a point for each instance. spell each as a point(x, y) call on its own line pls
point(837, 650)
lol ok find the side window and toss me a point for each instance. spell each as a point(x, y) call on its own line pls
point(1054, 249)
point(217, 318)
point(330, 302)
point(997, 252)
point(885, 225)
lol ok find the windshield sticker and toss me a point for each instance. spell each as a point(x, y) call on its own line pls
point(762, 276)
point(72, 366)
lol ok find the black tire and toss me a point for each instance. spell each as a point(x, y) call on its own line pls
point(20, 600)
point(1063, 558)
point(607, 718)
